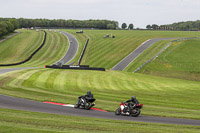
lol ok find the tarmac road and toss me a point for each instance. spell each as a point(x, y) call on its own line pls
point(34, 106)
point(2, 71)
point(73, 48)
point(133, 55)
point(7, 37)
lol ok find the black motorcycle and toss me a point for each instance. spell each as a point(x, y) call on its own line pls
point(85, 103)
point(130, 110)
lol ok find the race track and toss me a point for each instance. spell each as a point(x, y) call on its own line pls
point(73, 48)
point(29, 105)
point(2, 71)
point(133, 55)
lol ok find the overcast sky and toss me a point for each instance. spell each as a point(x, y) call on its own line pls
point(138, 12)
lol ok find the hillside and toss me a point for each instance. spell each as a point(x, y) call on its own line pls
point(107, 52)
point(160, 96)
point(19, 47)
point(27, 41)
point(180, 60)
point(166, 97)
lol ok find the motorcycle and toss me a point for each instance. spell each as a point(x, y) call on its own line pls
point(133, 110)
point(85, 103)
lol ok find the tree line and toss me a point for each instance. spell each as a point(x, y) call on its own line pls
point(8, 26)
point(98, 24)
point(182, 26)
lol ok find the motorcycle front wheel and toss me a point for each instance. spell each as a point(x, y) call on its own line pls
point(135, 112)
point(118, 111)
point(76, 105)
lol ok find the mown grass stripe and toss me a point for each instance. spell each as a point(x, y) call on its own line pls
point(9, 55)
point(109, 88)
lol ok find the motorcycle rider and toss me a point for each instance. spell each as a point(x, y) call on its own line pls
point(133, 100)
point(84, 97)
point(131, 105)
point(88, 95)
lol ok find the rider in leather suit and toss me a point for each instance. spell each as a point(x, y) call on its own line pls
point(133, 100)
point(87, 96)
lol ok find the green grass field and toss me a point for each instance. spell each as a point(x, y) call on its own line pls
point(108, 52)
point(180, 60)
point(160, 96)
point(54, 49)
point(19, 47)
point(13, 121)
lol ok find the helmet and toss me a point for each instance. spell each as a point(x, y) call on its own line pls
point(133, 97)
point(89, 93)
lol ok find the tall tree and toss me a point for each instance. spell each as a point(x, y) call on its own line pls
point(148, 27)
point(3, 28)
point(10, 27)
point(155, 26)
point(131, 26)
point(124, 26)
point(15, 23)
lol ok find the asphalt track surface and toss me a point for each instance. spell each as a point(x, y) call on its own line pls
point(7, 37)
point(133, 55)
point(34, 106)
point(2, 71)
point(72, 50)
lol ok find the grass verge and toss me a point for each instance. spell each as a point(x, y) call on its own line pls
point(24, 121)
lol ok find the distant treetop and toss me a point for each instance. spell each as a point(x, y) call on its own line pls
point(98, 24)
point(183, 26)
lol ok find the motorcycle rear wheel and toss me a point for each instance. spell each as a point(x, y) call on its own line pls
point(88, 105)
point(118, 111)
point(135, 112)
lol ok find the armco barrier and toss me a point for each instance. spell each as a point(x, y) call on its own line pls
point(163, 50)
point(80, 59)
point(13, 64)
point(78, 67)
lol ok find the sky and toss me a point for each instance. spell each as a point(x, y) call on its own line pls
point(138, 12)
